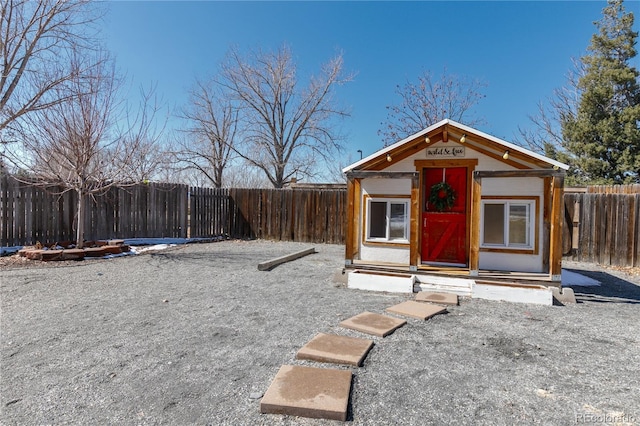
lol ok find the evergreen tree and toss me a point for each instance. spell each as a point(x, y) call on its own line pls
point(601, 135)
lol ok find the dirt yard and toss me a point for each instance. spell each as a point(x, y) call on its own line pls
point(195, 334)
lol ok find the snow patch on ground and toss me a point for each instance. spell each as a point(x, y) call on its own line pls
point(135, 243)
point(155, 247)
point(168, 240)
point(570, 279)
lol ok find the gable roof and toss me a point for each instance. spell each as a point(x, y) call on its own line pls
point(499, 144)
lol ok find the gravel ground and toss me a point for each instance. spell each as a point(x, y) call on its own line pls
point(189, 335)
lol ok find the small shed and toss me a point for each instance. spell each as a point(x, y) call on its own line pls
point(452, 201)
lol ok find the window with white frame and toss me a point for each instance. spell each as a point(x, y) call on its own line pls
point(387, 220)
point(508, 224)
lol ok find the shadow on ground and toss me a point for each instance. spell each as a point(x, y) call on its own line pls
point(611, 290)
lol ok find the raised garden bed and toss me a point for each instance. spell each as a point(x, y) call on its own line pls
point(67, 250)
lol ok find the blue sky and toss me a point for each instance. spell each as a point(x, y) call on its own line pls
point(522, 50)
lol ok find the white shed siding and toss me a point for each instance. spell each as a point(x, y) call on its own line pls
point(371, 253)
point(512, 187)
point(376, 252)
point(386, 186)
point(511, 262)
point(533, 187)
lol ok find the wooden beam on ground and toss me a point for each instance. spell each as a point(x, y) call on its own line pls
point(269, 264)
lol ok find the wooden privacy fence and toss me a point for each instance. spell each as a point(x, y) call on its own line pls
point(29, 213)
point(208, 212)
point(603, 227)
point(309, 215)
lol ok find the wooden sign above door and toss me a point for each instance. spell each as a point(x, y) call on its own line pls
point(445, 152)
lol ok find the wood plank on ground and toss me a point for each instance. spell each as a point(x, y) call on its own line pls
point(270, 264)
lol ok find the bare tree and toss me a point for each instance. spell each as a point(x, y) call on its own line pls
point(143, 153)
point(36, 37)
point(76, 143)
point(545, 136)
point(244, 175)
point(287, 129)
point(212, 132)
point(431, 100)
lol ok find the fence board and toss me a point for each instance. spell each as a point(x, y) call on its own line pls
point(636, 235)
point(619, 256)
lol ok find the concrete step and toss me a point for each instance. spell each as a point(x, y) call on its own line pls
point(455, 285)
point(460, 291)
point(513, 292)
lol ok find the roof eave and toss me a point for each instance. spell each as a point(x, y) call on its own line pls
point(390, 148)
point(505, 144)
point(511, 146)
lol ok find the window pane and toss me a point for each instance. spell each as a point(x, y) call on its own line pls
point(518, 224)
point(377, 219)
point(494, 224)
point(398, 222)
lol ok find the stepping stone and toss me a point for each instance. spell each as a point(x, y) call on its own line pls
point(375, 324)
point(320, 393)
point(439, 298)
point(415, 309)
point(336, 349)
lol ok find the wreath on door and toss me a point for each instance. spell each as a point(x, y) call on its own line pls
point(442, 196)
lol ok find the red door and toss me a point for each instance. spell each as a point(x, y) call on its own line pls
point(444, 232)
